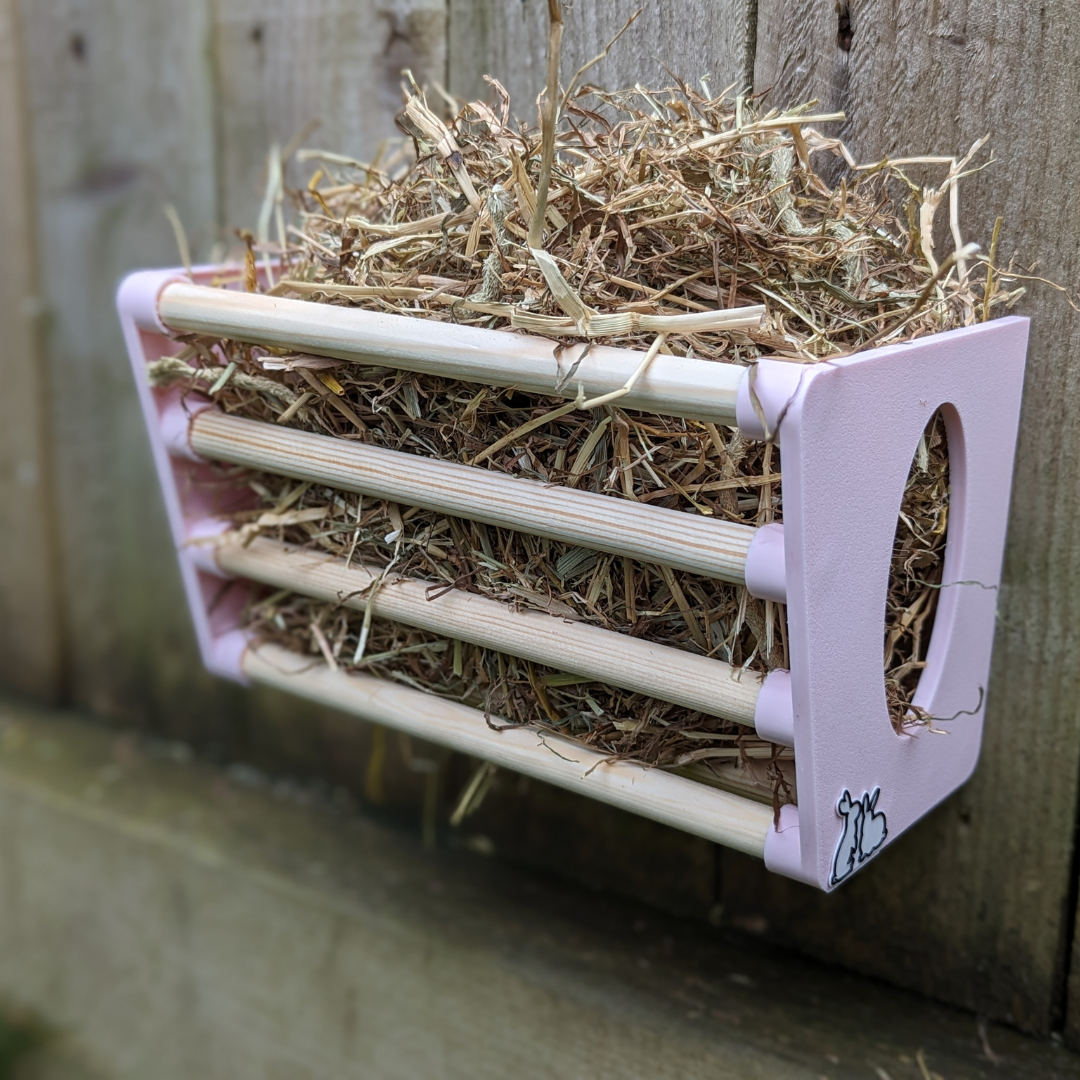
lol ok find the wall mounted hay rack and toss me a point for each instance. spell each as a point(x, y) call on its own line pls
point(847, 430)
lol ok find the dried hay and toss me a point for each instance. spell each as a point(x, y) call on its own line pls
point(660, 203)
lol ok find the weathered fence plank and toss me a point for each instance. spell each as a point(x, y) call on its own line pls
point(121, 100)
point(508, 41)
point(135, 104)
point(29, 626)
point(283, 66)
point(972, 906)
point(279, 69)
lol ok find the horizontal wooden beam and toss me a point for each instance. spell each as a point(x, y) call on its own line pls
point(696, 682)
point(671, 385)
point(704, 811)
point(682, 541)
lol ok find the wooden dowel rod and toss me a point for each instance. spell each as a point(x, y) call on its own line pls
point(711, 686)
point(673, 385)
point(672, 800)
point(690, 542)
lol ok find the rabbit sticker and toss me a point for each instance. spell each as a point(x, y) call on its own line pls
point(864, 832)
point(874, 830)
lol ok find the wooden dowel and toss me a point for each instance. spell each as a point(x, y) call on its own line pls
point(690, 542)
point(673, 385)
point(711, 686)
point(672, 800)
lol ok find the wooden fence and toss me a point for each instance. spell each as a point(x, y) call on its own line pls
point(110, 109)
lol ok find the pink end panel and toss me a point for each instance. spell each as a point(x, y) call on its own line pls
point(860, 784)
point(193, 503)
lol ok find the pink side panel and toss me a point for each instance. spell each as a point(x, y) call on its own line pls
point(194, 503)
point(860, 784)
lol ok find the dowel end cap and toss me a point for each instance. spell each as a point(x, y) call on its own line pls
point(225, 656)
point(139, 296)
point(766, 573)
point(176, 418)
point(783, 847)
point(201, 547)
point(774, 715)
point(766, 392)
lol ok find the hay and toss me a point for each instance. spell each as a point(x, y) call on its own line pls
point(661, 203)
point(915, 579)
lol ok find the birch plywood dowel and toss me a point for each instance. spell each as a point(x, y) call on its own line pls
point(699, 545)
point(668, 674)
point(715, 815)
point(672, 385)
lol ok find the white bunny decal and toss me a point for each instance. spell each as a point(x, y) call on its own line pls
point(874, 831)
point(864, 832)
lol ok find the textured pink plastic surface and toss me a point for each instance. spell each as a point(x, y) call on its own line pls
point(847, 430)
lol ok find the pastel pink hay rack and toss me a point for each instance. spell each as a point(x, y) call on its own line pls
point(859, 783)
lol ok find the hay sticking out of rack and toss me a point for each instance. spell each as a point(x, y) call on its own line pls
point(915, 580)
point(661, 205)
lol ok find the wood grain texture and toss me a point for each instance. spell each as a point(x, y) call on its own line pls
point(673, 385)
point(256, 932)
point(120, 99)
point(281, 65)
point(30, 650)
point(697, 682)
point(971, 906)
point(695, 808)
point(690, 542)
point(508, 40)
point(132, 106)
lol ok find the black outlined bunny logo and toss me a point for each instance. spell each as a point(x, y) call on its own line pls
point(864, 832)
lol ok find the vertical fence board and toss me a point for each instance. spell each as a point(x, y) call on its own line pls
point(508, 41)
point(280, 66)
point(136, 103)
point(971, 906)
point(119, 93)
point(29, 626)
